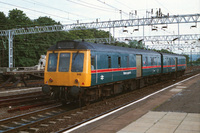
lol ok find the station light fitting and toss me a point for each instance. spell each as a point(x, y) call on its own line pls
point(135, 30)
point(140, 40)
point(175, 39)
point(193, 26)
point(163, 27)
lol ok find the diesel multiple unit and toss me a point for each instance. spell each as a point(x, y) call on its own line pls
point(82, 70)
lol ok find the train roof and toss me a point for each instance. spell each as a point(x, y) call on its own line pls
point(176, 55)
point(97, 47)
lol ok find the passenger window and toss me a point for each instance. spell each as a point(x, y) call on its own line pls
point(152, 60)
point(127, 59)
point(64, 62)
point(109, 62)
point(92, 63)
point(52, 62)
point(77, 62)
point(119, 62)
point(157, 60)
point(146, 61)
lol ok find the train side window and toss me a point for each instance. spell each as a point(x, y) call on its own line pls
point(167, 61)
point(157, 60)
point(152, 60)
point(119, 61)
point(109, 62)
point(92, 63)
point(146, 60)
point(127, 61)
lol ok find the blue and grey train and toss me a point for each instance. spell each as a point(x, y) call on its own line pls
point(90, 71)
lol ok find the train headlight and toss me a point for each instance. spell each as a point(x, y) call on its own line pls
point(76, 81)
point(50, 80)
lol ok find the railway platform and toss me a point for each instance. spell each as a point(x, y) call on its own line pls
point(175, 109)
point(20, 77)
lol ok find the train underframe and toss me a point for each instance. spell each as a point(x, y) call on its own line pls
point(94, 93)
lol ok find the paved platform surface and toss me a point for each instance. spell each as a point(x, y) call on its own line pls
point(179, 114)
point(175, 110)
point(165, 122)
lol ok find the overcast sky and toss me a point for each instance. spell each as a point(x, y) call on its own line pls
point(69, 11)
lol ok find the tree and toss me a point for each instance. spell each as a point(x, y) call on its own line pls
point(136, 44)
point(3, 21)
point(28, 48)
point(45, 21)
point(198, 60)
point(166, 51)
point(3, 40)
point(120, 44)
point(18, 19)
point(83, 33)
point(187, 58)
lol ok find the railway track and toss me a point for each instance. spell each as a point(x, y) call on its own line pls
point(21, 122)
point(20, 100)
point(10, 85)
point(21, 95)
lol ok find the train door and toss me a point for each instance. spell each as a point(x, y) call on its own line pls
point(176, 61)
point(94, 69)
point(167, 65)
point(139, 65)
point(162, 63)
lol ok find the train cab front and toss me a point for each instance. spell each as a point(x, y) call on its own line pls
point(67, 73)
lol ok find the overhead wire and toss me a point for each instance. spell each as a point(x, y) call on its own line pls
point(163, 6)
point(102, 9)
point(112, 7)
point(94, 5)
point(35, 10)
point(123, 4)
point(51, 7)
